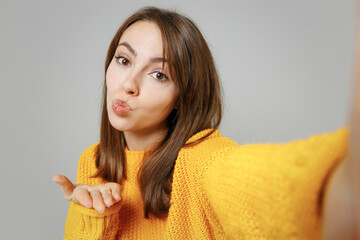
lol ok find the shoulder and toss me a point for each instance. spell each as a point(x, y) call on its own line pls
point(90, 151)
point(88, 157)
point(197, 157)
point(87, 166)
point(214, 143)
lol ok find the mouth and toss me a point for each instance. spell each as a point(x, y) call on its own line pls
point(120, 107)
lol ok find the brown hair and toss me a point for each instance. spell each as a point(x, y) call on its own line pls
point(198, 107)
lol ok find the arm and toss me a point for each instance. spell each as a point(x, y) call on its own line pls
point(354, 154)
point(344, 190)
point(95, 221)
point(273, 191)
point(354, 151)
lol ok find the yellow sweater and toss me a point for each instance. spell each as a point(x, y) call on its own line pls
point(221, 191)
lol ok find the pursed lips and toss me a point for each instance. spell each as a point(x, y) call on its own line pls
point(120, 107)
point(121, 103)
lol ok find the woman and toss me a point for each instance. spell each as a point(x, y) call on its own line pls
point(162, 170)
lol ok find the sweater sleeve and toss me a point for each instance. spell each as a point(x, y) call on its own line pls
point(84, 223)
point(273, 191)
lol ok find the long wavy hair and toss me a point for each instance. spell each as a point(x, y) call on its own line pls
point(197, 107)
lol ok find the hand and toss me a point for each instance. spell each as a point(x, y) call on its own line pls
point(89, 196)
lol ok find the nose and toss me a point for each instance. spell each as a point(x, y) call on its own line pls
point(130, 85)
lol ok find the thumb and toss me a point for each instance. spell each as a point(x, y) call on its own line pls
point(66, 185)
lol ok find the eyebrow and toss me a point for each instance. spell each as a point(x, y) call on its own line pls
point(133, 52)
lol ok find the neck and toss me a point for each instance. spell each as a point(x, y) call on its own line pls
point(144, 140)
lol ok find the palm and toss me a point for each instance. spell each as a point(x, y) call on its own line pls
point(98, 196)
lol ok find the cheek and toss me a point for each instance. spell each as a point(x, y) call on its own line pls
point(107, 78)
point(163, 105)
point(108, 88)
point(110, 76)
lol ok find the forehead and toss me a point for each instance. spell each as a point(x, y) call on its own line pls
point(144, 37)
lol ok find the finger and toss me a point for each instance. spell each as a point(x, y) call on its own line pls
point(97, 200)
point(66, 185)
point(107, 197)
point(115, 191)
point(82, 196)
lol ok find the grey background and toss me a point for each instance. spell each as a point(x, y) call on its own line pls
point(286, 69)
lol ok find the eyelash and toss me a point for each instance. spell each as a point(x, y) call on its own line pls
point(121, 58)
point(124, 58)
point(163, 76)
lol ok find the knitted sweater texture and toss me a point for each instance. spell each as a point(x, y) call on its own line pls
point(221, 190)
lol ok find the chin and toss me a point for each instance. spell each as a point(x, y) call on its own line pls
point(122, 128)
point(120, 124)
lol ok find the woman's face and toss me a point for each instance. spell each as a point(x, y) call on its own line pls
point(140, 92)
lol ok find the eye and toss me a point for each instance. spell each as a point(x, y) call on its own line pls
point(122, 60)
point(159, 76)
